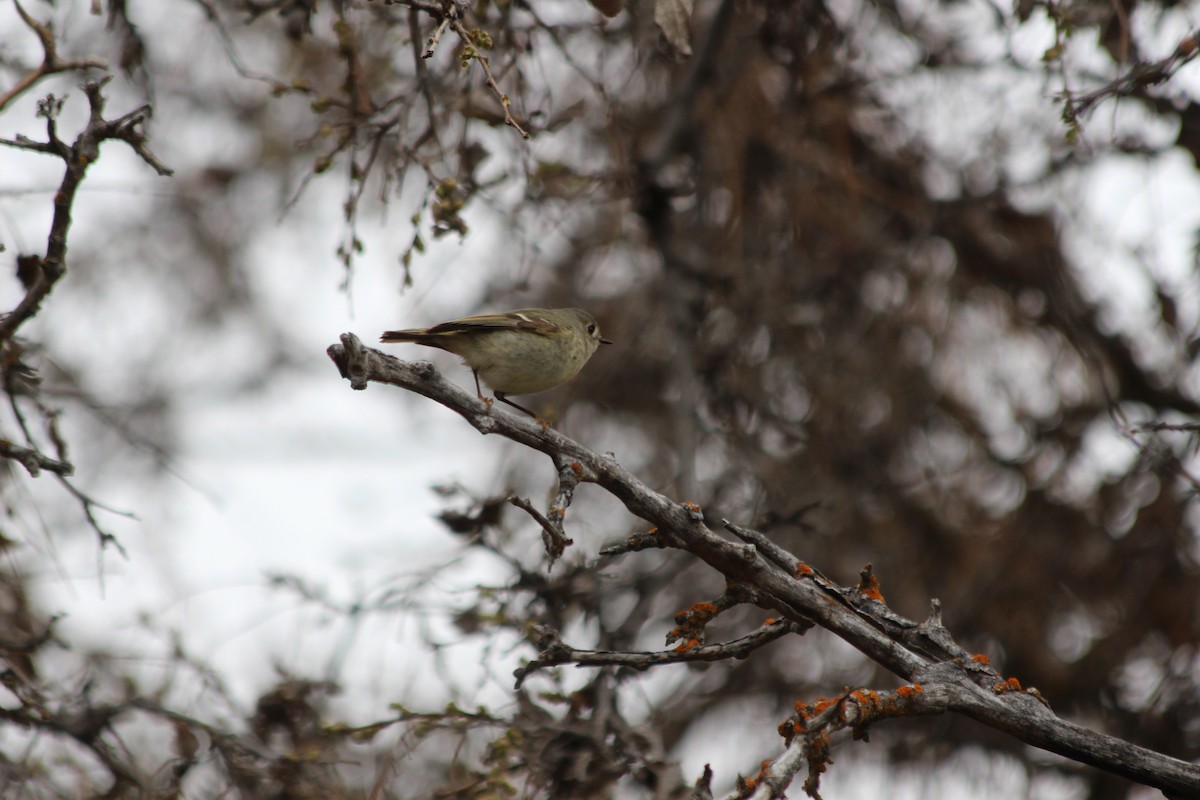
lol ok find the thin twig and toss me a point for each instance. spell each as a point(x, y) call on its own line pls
point(76, 157)
point(51, 62)
point(435, 38)
point(33, 460)
point(554, 652)
point(484, 62)
point(553, 535)
point(1137, 77)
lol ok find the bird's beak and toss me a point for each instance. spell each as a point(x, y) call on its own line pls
point(605, 341)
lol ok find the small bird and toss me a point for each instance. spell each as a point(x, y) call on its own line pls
point(518, 352)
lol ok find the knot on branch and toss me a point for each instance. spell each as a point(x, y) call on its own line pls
point(351, 359)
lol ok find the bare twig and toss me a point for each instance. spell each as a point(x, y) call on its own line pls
point(33, 460)
point(90, 505)
point(435, 38)
point(46, 271)
point(570, 473)
point(636, 542)
point(553, 535)
point(1138, 77)
point(771, 551)
point(505, 102)
point(691, 623)
point(554, 652)
point(77, 157)
point(1179, 427)
point(51, 62)
point(421, 68)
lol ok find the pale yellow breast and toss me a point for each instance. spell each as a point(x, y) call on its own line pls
point(527, 364)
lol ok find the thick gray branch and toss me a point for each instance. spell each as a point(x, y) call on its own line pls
point(949, 683)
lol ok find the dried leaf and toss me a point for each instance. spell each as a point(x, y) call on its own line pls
point(674, 18)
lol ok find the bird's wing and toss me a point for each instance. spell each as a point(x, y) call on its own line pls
point(512, 320)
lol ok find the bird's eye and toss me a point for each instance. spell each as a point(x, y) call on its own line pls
point(591, 328)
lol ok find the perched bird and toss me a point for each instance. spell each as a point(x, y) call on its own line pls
point(518, 352)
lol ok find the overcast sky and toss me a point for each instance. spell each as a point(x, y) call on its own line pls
point(333, 486)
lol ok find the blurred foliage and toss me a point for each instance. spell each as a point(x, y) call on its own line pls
point(844, 249)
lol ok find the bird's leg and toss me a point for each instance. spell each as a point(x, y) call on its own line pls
point(487, 401)
point(545, 425)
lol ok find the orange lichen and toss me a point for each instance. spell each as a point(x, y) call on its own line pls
point(689, 623)
point(803, 569)
point(746, 786)
point(1010, 685)
point(869, 588)
point(704, 610)
point(790, 728)
point(688, 645)
point(700, 611)
point(822, 705)
point(693, 507)
point(577, 468)
point(770, 620)
point(869, 702)
point(817, 753)
point(909, 692)
point(980, 658)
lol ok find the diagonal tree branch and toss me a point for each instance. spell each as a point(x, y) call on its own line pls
point(922, 654)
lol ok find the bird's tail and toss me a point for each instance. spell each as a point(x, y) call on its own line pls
point(416, 335)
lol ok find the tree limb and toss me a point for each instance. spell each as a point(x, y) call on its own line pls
point(922, 654)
